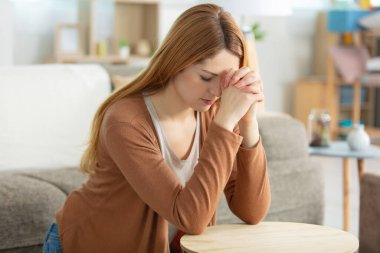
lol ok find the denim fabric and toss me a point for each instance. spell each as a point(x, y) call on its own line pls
point(52, 244)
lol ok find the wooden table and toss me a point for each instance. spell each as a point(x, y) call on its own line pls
point(341, 149)
point(270, 237)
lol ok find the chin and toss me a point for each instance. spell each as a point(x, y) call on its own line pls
point(202, 108)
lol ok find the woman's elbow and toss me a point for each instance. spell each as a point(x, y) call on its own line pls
point(256, 215)
point(254, 219)
point(195, 228)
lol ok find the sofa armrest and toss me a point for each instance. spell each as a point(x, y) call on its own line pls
point(369, 229)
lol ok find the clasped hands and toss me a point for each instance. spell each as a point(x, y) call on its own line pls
point(247, 81)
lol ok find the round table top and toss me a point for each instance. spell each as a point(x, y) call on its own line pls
point(341, 149)
point(270, 237)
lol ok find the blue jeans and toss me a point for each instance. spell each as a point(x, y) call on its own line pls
point(52, 244)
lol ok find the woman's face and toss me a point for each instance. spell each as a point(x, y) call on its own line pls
point(198, 86)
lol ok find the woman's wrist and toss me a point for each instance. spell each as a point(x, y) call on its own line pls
point(249, 130)
point(224, 122)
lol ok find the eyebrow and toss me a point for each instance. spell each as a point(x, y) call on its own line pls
point(209, 72)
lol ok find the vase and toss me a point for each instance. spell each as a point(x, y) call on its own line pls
point(124, 52)
point(143, 48)
point(358, 139)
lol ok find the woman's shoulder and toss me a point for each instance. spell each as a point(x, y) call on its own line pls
point(128, 110)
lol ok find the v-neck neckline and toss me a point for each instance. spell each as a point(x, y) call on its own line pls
point(148, 100)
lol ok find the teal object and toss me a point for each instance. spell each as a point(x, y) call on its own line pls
point(345, 20)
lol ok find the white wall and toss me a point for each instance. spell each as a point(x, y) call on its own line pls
point(169, 11)
point(34, 23)
point(285, 55)
point(6, 48)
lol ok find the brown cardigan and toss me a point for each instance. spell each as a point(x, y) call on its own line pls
point(126, 205)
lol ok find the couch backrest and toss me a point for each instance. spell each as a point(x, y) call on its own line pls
point(283, 137)
point(46, 112)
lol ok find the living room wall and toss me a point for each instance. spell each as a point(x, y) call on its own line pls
point(284, 55)
point(33, 28)
point(6, 52)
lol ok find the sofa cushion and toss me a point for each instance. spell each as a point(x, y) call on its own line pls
point(46, 113)
point(27, 209)
point(297, 193)
point(65, 179)
point(297, 187)
point(283, 137)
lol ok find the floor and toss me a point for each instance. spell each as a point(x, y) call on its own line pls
point(332, 168)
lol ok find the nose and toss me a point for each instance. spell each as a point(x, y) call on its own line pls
point(215, 88)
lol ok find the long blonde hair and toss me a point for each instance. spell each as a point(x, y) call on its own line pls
point(200, 32)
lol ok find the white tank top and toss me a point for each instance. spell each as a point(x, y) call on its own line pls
point(182, 168)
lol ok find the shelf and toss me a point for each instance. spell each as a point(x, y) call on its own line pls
point(136, 21)
point(137, 1)
point(114, 59)
point(348, 107)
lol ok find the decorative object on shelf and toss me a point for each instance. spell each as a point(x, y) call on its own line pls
point(143, 48)
point(350, 61)
point(373, 64)
point(124, 50)
point(371, 21)
point(345, 20)
point(358, 139)
point(319, 128)
point(365, 4)
point(256, 29)
point(67, 40)
point(101, 48)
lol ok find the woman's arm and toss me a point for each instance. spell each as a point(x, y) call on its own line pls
point(249, 130)
point(135, 152)
point(248, 189)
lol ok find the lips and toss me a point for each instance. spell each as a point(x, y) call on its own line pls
point(208, 101)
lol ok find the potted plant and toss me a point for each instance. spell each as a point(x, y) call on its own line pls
point(124, 50)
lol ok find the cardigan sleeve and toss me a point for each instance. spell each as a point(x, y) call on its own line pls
point(248, 190)
point(189, 208)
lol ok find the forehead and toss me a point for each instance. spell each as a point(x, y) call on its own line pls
point(220, 62)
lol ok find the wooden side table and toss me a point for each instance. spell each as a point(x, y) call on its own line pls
point(341, 149)
point(270, 237)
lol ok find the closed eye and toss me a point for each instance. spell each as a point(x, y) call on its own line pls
point(206, 79)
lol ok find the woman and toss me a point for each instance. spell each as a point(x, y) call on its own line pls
point(164, 148)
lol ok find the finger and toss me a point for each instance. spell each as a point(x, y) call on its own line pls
point(261, 98)
point(248, 79)
point(222, 80)
point(253, 89)
point(258, 98)
point(229, 75)
point(240, 73)
point(261, 82)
